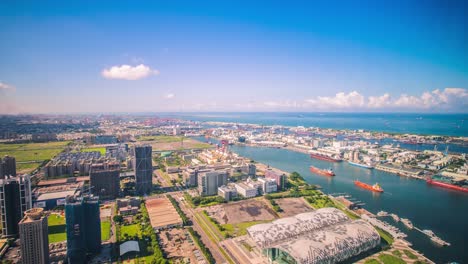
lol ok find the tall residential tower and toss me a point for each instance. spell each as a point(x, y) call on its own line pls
point(34, 236)
point(15, 199)
point(143, 165)
point(83, 227)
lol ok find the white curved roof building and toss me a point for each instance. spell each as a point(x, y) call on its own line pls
point(323, 236)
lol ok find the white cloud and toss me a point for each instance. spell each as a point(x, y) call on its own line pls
point(5, 87)
point(169, 96)
point(127, 72)
point(448, 99)
point(379, 101)
point(340, 100)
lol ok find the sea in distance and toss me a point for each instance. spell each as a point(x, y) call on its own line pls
point(441, 210)
point(412, 123)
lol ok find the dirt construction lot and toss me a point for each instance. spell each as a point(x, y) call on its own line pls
point(293, 206)
point(187, 143)
point(177, 245)
point(243, 211)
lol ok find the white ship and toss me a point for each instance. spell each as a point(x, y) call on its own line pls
point(395, 217)
point(407, 223)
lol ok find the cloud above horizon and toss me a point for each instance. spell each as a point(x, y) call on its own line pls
point(448, 99)
point(128, 72)
point(169, 96)
point(5, 87)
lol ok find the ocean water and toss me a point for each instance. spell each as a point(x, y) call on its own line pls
point(441, 210)
point(430, 124)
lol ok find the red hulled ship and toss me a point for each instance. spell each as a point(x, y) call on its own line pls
point(375, 188)
point(327, 172)
point(446, 185)
point(325, 157)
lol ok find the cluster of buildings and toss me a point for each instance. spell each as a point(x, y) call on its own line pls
point(272, 181)
point(77, 163)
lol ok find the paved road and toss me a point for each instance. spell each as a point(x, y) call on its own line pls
point(214, 247)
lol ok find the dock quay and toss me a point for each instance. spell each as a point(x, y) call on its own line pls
point(393, 231)
point(402, 171)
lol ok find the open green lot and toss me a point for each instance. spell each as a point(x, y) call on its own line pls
point(37, 152)
point(57, 231)
point(240, 229)
point(127, 231)
point(161, 138)
point(105, 230)
point(389, 259)
point(99, 149)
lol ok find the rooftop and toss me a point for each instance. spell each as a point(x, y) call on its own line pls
point(161, 213)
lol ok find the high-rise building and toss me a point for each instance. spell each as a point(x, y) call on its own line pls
point(280, 178)
point(34, 236)
point(7, 166)
point(105, 183)
point(208, 182)
point(83, 226)
point(143, 165)
point(15, 199)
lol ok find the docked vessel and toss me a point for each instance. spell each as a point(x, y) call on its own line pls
point(407, 223)
point(362, 165)
point(431, 181)
point(325, 157)
point(382, 213)
point(435, 238)
point(327, 172)
point(395, 217)
point(375, 188)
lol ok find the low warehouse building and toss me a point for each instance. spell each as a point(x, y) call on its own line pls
point(162, 214)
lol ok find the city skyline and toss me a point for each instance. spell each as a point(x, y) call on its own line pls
point(404, 56)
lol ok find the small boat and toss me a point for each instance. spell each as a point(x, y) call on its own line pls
point(395, 217)
point(407, 223)
point(382, 213)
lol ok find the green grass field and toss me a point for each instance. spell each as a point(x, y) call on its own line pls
point(57, 232)
point(100, 149)
point(105, 230)
point(240, 229)
point(130, 231)
point(32, 152)
point(165, 139)
point(372, 261)
point(389, 259)
point(385, 236)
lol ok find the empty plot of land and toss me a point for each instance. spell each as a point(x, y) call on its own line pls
point(177, 245)
point(30, 155)
point(293, 206)
point(175, 143)
point(243, 211)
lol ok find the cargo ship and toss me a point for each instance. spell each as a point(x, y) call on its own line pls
point(325, 157)
point(327, 172)
point(375, 188)
point(446, 185)
point(366, 166)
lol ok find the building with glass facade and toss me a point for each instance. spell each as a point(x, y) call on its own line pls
point(83, 226)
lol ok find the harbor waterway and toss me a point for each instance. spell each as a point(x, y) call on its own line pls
point(441, 210)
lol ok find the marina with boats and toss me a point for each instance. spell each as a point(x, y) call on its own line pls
point(408, 224)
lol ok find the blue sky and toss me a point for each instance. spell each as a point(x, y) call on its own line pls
point(120, 56)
